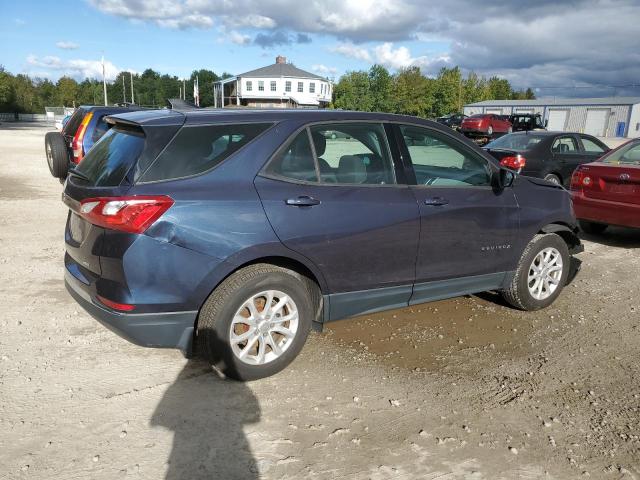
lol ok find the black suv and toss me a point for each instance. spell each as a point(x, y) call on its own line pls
point(452, 120)
point(86, 126)
point(526, 122)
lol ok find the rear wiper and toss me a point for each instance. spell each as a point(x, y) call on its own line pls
point(76, 173)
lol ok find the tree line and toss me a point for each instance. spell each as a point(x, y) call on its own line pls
point(407, 92)
point(23, 94)
point(410, 92)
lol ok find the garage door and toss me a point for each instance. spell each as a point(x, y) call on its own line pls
point(596, 123)
point(495, 111)
point(557, 120)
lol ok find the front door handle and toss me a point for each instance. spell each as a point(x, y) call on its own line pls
point(302, 201)
point(436, 201)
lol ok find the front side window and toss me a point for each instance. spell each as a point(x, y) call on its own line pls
point(300, 87)
point(312, 87)
point(273, 86)
point(591, 146)
point(260, 86)
point(352, 153)
point(439, 161)
point(287, 86)
point(295, 161)
point(249, 85)
point(195, 150)
point(565, 145)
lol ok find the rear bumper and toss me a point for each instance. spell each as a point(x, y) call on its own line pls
point(605, 211)
point(163, 330)
point(472, 132)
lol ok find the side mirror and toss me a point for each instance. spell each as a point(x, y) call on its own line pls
point(503, 178)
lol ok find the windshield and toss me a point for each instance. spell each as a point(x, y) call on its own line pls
point(517, 143)
point(628, 154)
point(109, 160)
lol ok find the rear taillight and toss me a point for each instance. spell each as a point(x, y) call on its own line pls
point(123, 307)
point(514, 162)
point(128, 214)
point(76, 145)
point(581, 180)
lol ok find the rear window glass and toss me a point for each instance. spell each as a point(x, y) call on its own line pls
point(195, 150)
point(111, 157)
point(517, 143)
point(627, 155)
point(74, 122)
point(100, 130)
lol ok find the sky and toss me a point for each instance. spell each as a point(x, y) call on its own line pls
point(571, 47)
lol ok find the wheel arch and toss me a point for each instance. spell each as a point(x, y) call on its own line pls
point(566, 232)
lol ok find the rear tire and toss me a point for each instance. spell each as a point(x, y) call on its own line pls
point(553, 179)
point(223, 316)
point(593, 228)
point(523, 293)
point(57, 154)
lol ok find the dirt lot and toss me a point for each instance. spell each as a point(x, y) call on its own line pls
point(466, 388)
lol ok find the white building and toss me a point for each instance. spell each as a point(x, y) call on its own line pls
point(280, 85)
point(601, 117)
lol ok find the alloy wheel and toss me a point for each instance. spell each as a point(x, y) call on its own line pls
point(545, 273)
point(264, 327)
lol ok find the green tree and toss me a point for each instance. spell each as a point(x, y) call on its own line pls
point(448, 92)
point(381, 86)
point(353, 92)
point(66, 92)
point(413, 93)
point(7, 92)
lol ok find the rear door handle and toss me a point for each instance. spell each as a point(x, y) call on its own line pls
point(436, 201)
point(302, 201)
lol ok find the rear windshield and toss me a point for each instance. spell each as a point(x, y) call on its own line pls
point(517, 143)
point(74, 122)
point(197, 149)
point(111, 157)
point(626, 155)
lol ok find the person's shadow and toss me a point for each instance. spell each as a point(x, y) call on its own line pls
point(207, 415)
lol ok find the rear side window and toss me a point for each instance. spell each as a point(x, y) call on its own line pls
point(295, 161)
point(111, 157)
point(195, 150)
point(591, 146)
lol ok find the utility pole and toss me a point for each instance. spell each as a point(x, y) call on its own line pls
point(104, 83)
point(124, 90)
point(184, 89)
point(132, 100)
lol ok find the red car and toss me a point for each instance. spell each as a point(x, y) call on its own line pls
point(485, 125)
point(607, 192)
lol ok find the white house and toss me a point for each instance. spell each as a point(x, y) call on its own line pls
point(602, 117)
point(280, 85)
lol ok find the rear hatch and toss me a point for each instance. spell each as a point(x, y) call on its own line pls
point(102, 173)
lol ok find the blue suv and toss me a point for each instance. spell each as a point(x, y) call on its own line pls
point(237, 231)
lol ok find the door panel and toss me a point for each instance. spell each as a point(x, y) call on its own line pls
point(359, 237)
point(467, 228)
point(566, 151)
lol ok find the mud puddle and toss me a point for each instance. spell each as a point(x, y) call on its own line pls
point(434, 336)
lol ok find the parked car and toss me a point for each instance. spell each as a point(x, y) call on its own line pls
point(607, 192)
point(453, 120)
point(549, 155)
point(485, 125)
point(526, 122)
point(239, 231)
point(84, 128)
point(62, 122)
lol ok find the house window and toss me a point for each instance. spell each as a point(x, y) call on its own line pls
point(300, 87)
point(260, 86)
point(287, 86)
point(273, 86)
point(312, 87)
point(249, 86)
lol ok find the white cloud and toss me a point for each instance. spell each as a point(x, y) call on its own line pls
point(324, 70)
point(250, 20)
point(352, 51)
point(78, 68)
point(239, 38)
point(67, 45)
point(19, 22)
point(186, 21)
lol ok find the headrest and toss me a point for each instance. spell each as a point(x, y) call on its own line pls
point(351, 169)
point(319, 142)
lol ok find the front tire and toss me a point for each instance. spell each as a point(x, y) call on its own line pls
point(541, 274)
point(553, 179)
point(593, 228)
point(257, 321)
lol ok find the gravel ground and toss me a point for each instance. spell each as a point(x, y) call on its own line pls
point(465, 388)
